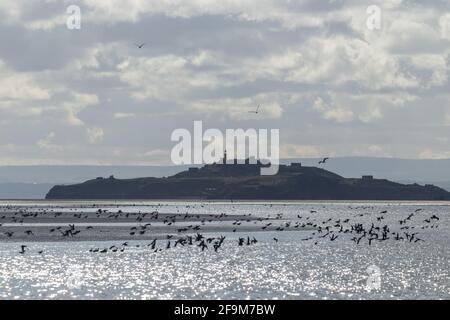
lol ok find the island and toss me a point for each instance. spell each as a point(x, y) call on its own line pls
point(242, 181)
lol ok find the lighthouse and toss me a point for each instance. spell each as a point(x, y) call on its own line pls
point(225, 157)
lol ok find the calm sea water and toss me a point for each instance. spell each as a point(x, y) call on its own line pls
point(287, 269)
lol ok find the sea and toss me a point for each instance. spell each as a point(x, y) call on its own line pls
point(279, 265)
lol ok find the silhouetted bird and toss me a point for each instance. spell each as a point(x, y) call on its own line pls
point(256, 111)
point(153, 244)
point(22, 249)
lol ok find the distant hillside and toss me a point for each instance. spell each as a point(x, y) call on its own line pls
point(293, 182)
point(421, 171)
point(33, 182)
point(73, 174)
point(435, 172)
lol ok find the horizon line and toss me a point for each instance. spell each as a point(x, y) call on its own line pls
point(173, 165)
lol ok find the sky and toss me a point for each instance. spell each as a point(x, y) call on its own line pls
point(330, 83)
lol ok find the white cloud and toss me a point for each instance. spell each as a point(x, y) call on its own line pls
point(346, 60)
point(403, 35)
point(433, 64)
point(11, 11)
point(332, 112)
point(73, 106)
point(444, 23)
point(300, 151)
point(217, 60)
point(241, 109)
point(371, 114)
point(109, 11)
point(433, 154)
point(46, 142)
point(71, 118)
point(18, 87)
point(123, 115)
point(95, 135)
point(347, 107)
point(26, 94)
point(371, 151)
point(447, 119)
point(163, 77)
point(47, 24)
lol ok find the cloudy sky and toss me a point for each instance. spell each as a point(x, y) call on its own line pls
point(330, 84)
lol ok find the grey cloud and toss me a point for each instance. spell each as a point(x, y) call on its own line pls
point(258, 59)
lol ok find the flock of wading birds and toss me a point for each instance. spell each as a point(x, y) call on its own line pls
point(330, 229)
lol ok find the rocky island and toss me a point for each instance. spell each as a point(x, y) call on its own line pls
point(243, 181)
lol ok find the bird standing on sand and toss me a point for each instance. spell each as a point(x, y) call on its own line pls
point(22, 249)
point(153, 244)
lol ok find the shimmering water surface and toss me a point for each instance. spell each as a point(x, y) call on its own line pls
point(288, 269)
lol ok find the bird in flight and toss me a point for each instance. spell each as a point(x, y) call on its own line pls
point(323, 161)
point(256, 111)
point(140, 46)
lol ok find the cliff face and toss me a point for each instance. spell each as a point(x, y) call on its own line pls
point(217, 181)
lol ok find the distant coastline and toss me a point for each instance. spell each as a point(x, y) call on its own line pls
point(243, 182)
point(34, 181)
